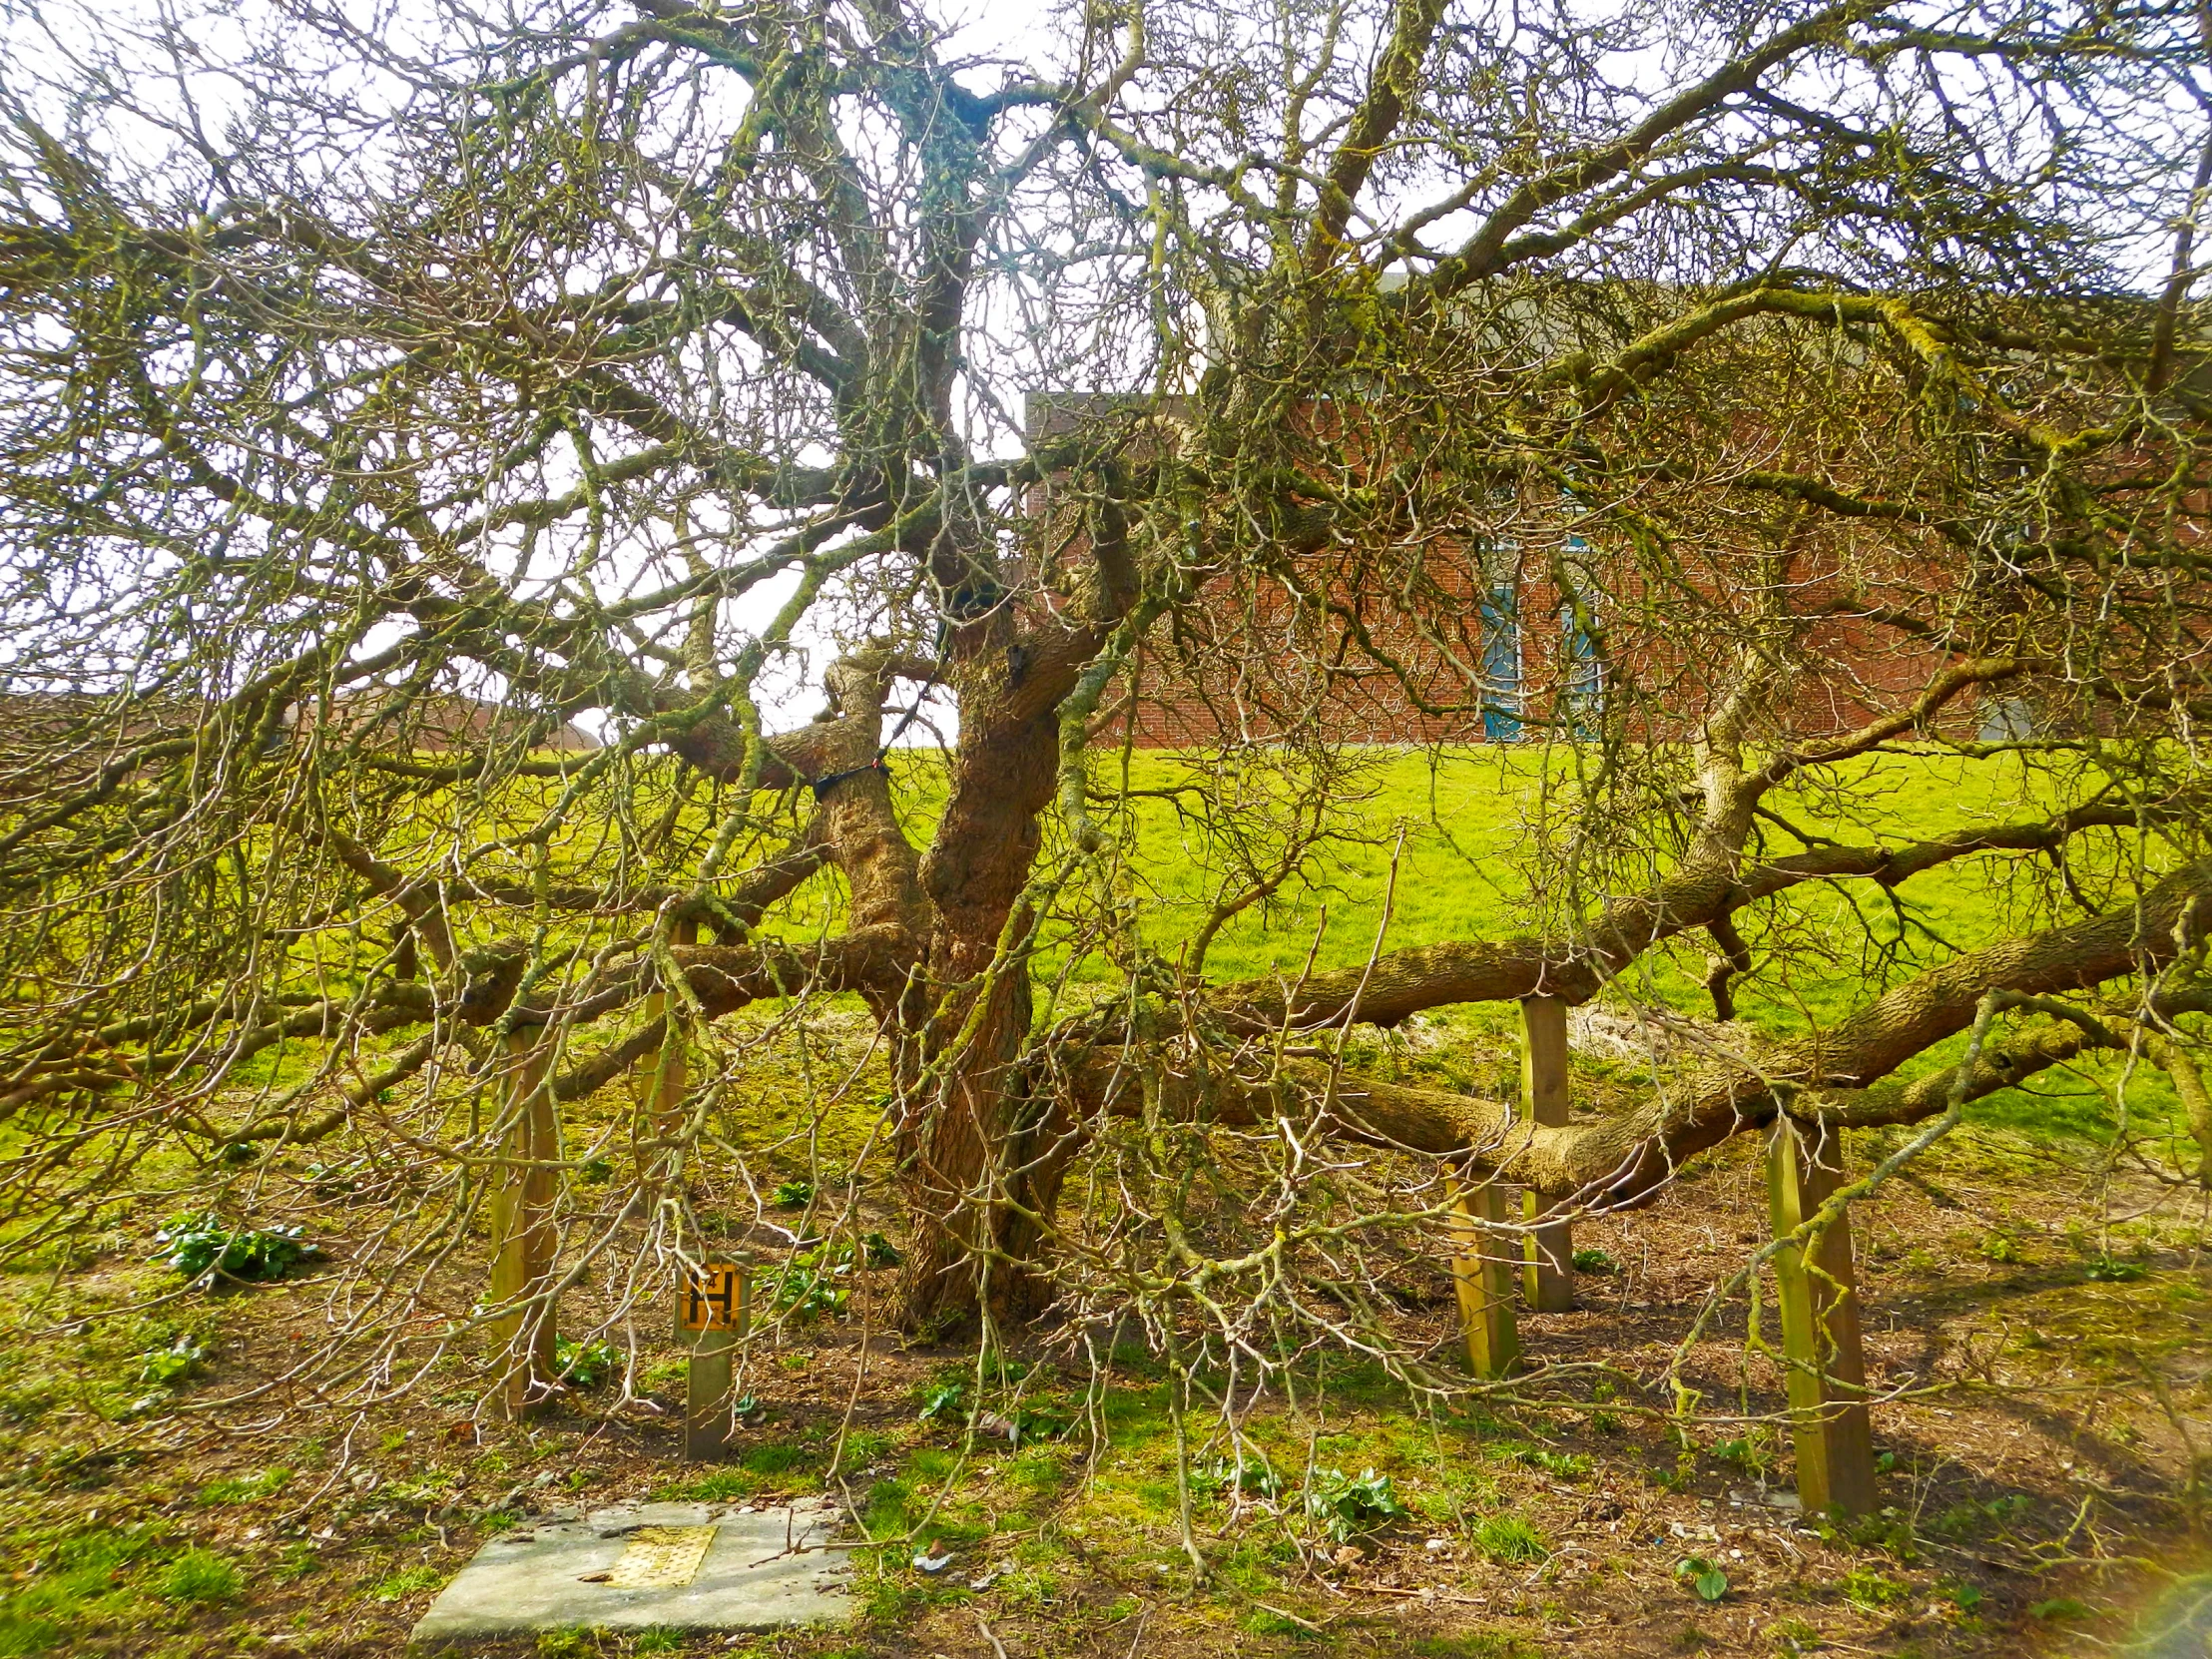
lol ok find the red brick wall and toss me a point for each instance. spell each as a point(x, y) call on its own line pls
point(1246, 661)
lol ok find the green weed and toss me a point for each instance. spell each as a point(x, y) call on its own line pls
point(1701, 1578)
point(1041, 1468)
point(81, 1578)
point(1563, 1465)
point(720, 1487)
point(1509, 1538)
point(246, 1489)
point(945, 1403)
point(1350, 1504)
point(202, 1247)
point(1252, 1478)
point(177, 1363)
point(862, 1449)
point(1961, 1520)
point(817, 1282)
point(1754, 1452)
point(584, 1364)
point(1871, 1592)
point(883, 1509)
point(200, 1577)
point(1266, 1621)
point(411, 1582)
point(777, 1457)
point(24, 1634)
point(2110, 1270)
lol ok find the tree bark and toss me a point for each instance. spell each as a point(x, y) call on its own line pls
point(979, 1182)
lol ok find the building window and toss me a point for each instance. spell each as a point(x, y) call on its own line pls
point(1584, 690)
point(1583, 682)
point(1501, 665)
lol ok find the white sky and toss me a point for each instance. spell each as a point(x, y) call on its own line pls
point(42, 38)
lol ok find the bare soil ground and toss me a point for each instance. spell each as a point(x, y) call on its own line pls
point(2042, 1455)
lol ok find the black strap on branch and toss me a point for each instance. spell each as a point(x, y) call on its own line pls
point(823, 785)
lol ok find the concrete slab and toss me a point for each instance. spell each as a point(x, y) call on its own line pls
point(686, 1566)
point(2179, 1627)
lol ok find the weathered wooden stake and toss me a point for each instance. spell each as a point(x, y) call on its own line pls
point(712, 1312)
point(1483, 1277)
point(1547, 1281)
point(663, 1075)
point(522, 1222)
point(1820, 1328)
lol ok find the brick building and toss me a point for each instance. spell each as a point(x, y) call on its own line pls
point(1524, 632)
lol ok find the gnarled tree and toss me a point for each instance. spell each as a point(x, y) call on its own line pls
point(384, 402)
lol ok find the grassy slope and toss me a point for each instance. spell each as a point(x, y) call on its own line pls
point(1468, 818)
point(1471, 856)
point(1470, 868)
point(195, 1541)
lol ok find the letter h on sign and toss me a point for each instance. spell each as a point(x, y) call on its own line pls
point(715, 1299)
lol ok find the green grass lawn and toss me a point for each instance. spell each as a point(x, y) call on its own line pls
point(1484, 830)
point(1473, 865)
point(1491, 848)
point(129, 1535)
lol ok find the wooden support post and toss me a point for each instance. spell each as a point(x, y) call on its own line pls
point(1820, 1328)
point(712, 1312)
point(1482, 1278)
point(663, 1079)
point(1547, 1281)
point(522, 1222)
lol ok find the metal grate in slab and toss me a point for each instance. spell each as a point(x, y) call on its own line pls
point(661, 1557)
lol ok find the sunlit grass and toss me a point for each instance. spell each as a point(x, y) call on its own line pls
point(1466, 843)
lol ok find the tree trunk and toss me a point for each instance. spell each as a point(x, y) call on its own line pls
point(981, 1178)
point(980, 1181)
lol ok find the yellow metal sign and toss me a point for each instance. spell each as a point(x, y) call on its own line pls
point(715, 1299)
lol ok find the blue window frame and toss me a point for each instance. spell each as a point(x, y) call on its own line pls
point(1501, 665)
point(1583, 688)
